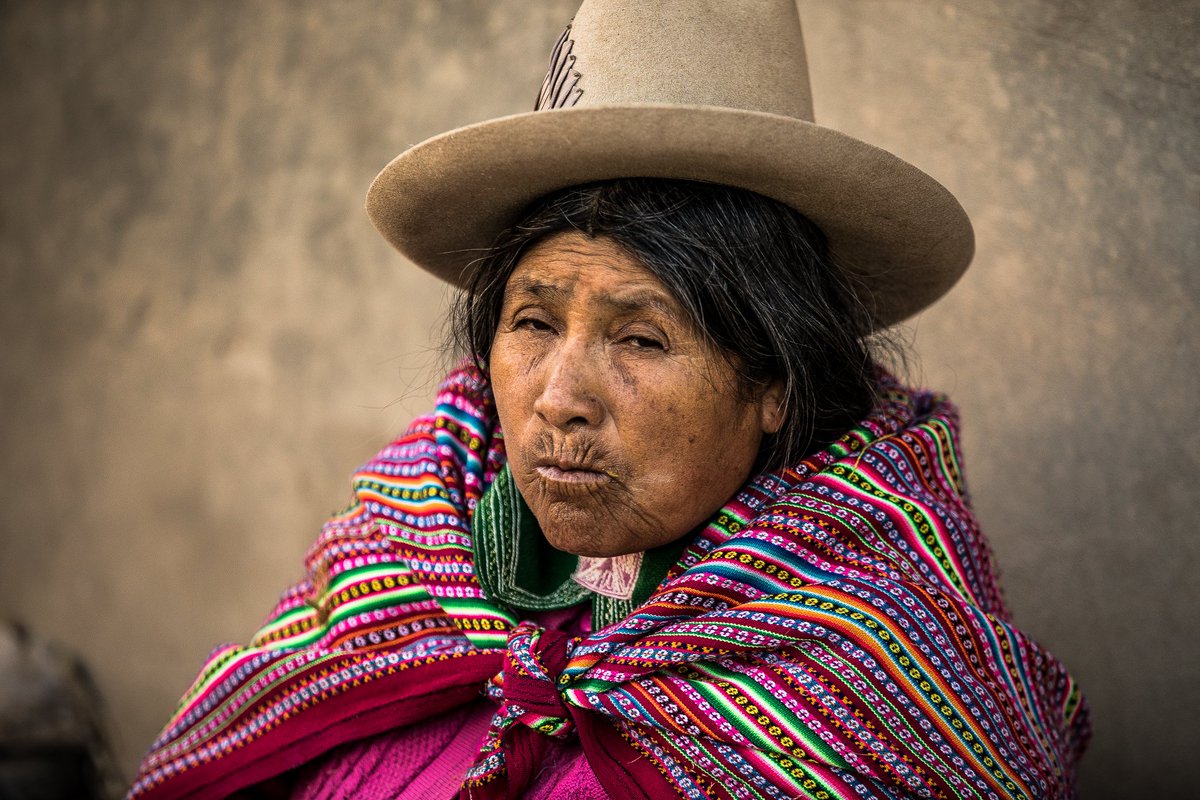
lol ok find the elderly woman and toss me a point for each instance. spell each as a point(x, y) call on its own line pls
point(669, 532)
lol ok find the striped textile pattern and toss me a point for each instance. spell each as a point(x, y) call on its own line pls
point(835, 631)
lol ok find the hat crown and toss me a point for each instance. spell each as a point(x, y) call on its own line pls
point(694, 90)
point(743, 54)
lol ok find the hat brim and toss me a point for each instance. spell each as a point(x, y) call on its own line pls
point(900, 236)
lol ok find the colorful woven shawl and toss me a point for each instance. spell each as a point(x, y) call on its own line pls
point(835, 631)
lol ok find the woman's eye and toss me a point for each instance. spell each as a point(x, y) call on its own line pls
point(645, 343)
point(532, 324)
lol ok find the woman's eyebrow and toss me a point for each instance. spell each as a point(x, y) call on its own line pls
point(625, 303)
point(640, 301)
point(539, 289)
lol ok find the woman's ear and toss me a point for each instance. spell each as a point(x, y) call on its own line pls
point(772, 412)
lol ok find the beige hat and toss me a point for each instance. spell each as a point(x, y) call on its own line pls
point(687, 89)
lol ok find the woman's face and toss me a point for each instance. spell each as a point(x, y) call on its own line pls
point(624, 429)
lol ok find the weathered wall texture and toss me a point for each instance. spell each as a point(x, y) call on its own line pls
point(200, 334)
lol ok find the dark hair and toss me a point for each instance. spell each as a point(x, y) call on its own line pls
point(753, 274)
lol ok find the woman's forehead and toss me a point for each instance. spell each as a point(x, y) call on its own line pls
point(574, 267)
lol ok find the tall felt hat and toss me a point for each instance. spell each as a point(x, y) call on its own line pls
point(685, 89)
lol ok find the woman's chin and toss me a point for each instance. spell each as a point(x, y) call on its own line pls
point(591, 513)
point(589, 549)
point(574, 531)
point(583, 539)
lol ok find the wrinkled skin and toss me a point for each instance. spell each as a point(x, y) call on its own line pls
point(625, 429)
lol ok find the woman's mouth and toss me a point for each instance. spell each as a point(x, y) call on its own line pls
point(573, 475)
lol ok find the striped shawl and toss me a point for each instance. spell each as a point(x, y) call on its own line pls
point(835, 631)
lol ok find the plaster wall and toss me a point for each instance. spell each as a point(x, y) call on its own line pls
point(201, 335)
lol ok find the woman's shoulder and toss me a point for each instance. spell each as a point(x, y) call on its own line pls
point(889, 500)
point(460, 429)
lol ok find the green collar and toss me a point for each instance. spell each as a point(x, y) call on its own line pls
point(516, 566)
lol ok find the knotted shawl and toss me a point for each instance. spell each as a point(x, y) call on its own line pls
point(835, 631)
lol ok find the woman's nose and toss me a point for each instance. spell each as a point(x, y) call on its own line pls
point(569, 397)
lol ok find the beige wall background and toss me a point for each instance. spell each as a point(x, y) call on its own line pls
point(201, 335)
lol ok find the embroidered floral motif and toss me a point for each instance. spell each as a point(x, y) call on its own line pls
point(611, 577)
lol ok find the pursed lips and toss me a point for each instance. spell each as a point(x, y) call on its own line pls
point(566, 472)
point(581, 462)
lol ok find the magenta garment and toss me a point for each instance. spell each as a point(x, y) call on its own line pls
point(427, 760)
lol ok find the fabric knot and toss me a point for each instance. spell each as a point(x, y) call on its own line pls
point(533, 662)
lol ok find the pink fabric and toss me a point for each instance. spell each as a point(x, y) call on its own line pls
point(566, 776)
point(425, 760)
point(428, 760)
